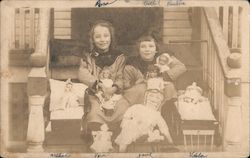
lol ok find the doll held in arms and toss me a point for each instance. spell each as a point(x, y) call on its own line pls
point(144, 120)
point(163, 62)
point(154, 79)
point(107, 103)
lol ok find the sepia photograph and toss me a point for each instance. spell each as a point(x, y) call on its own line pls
point(125, 79)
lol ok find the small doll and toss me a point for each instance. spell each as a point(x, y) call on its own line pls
point(102, 140)
point(163, 62)
point(104, 81)
point(140, 120)
point(193, 94)
point(69, 98)
point(154, 80)
point(155, 136)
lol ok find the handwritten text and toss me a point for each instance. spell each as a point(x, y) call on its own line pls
point(100, 3)
point(175, 2)
point(197, 155)
point(151, 2)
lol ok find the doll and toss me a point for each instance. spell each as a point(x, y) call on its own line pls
point(102, 140)
point(163, 62)
point(69, 98)
point(154, 80)
point(140, 119)
point(107, 104)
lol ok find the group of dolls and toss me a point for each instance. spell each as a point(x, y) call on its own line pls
point(136, 122)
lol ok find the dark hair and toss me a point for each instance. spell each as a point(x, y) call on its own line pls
point(104, 24)
point(146, 38)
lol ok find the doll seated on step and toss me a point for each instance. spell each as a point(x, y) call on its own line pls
point(69, 98)
point(154, 79)
point(102, 140)
point(107, 103)
point(141, 120)
point(163, 62)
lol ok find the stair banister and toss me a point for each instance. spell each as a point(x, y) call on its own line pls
point(224, 82)
point(37, 84)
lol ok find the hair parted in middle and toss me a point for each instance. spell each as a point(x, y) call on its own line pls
point(106, 24)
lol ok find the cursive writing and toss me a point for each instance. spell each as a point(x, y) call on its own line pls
point(145, 155)
point(175, 2)
point(197, 155)
point(99, 155)
point(151, 2)
point(64, 155)
point(100, 3)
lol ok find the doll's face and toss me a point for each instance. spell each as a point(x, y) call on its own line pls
point(154, 100)
point(152, 74)
point(68, 87)
point(106, 74)
point(163, 60)
point(147, 50)
point(102, 37)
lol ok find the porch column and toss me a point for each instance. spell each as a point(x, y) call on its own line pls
point(38, 83)
point(233, 122)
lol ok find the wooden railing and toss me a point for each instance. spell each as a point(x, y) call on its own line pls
point(230, 19)
point(26, 24)
point(37, 83)
point(223, 87)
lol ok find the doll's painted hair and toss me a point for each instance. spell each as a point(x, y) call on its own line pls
point(146, 38)
point(105, 68)
point(153, 68)
point(106, 24)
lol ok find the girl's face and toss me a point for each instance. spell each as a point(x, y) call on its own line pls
point(147, 50)
point(102, 37)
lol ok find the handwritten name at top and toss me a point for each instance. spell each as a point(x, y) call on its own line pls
point(175, 2)
point(101, 3)
point(151, 2)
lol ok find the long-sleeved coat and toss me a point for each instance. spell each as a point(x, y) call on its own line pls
point(135, 72)
point(89, 70)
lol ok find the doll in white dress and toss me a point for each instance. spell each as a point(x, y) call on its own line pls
point(163, 62)
point(141, 119)
point(154, 80)
point(107, 103)
point(102, 140)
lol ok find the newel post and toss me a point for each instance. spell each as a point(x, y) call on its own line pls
point(233, 124)
point(37, 85)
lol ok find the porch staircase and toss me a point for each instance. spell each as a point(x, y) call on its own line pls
point(209, 67)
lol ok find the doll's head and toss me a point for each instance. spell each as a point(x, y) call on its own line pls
point(153, 99)
point(106, 73)
point(69, 85)
point(153, 71)
point(163, 59)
